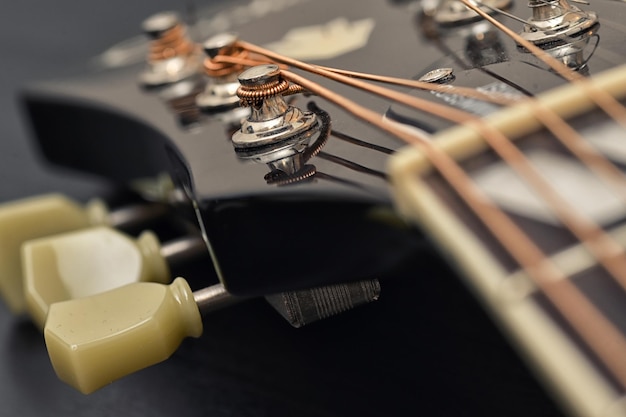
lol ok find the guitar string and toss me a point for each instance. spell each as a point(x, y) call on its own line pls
point(601, 166)
point(557, 302)
point(593, 159)
point(496, 98)
point(598, 333)
point(581, 331)
point(563, 132)
point(604, 248)
point(602, 99)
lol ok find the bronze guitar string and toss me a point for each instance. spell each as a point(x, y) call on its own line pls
point(604, 100)
point(608, 252)
point(562, 304)
point(172, 43)
point(598, 333)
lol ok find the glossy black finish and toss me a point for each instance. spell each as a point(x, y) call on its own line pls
point(426, 348)
point(136, 132)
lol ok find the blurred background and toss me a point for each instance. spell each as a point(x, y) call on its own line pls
point(425, 349)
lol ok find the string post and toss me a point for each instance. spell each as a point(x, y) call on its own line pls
point(556, 20)
point(172, 55)
point(221, 90)
point(271, 121)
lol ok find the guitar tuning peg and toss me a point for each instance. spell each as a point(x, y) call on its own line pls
point(221, 90)
point(36, 217)
point(32, 218)
point(95, 340)
point(95, 260)
point(173, 56)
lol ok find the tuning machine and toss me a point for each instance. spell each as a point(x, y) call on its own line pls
point(562, 30)
point(102, 336)
point(221, 89)
point(94, 260)
point(277, 134)
point(556, 20)
point(443, 15)
point(35, 217)
point(172, 56)
point(271, 119)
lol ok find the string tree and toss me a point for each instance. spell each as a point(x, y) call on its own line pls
point(173, 56)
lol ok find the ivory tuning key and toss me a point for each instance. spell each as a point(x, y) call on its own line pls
point(46, 215)
point(95, 260)
point(95, 340)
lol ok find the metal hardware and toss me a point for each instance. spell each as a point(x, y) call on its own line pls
point(172, 55)
point(221, 90)
point(271, 119)
point(300, 307)
point(554, 20)
point(439, 76)
point(453, 12)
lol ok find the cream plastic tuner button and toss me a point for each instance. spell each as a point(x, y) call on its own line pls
point(95, 340)
point(31, 218)
point(87, 262)
point(94, 260)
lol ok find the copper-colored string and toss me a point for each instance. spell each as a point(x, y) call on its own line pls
point(604, 100)
point(599, 333)
point(595, 329)
point(604, 248)
point(172, 43)
point(562, 131)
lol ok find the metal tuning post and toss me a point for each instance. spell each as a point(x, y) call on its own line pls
point(172, 56)
point(556, 20)
point(94, 260)
point(47, 215)
point(275, 133)
point(563, 31)
point(451, 13)
point(95, 340)
point(221, 90)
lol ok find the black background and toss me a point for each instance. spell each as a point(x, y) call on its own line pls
point(425, 349)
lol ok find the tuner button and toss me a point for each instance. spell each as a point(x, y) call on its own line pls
point(96, 340)
point(32, 218)
point(87, 262)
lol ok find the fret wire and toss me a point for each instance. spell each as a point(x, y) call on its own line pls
point(596, 330)
point(608, 252)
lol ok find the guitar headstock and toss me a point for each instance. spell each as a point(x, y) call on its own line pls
point(312, 208)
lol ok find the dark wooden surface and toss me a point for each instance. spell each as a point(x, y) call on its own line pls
point(425, 349)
